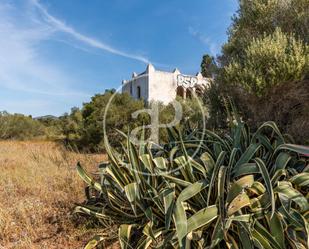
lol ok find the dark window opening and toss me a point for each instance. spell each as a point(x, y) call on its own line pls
point(180, 91)
point(199, 91)
point(189, 93)
point(138, 92)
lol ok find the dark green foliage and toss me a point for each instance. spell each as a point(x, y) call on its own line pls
point(118, 117)
point(256, 18)
point(262, 64)
point(208, 66)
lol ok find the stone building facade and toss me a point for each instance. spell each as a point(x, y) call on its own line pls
point(155, 85)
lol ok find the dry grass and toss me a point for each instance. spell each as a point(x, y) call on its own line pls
point(38, 188)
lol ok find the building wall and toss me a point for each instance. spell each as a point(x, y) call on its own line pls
point(132, 85)
point(162, 86)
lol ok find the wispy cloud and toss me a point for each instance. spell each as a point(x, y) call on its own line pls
point(61, 26)
point(214, 48)
point(22, 68)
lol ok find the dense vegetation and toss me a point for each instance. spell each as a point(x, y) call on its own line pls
point(83, 129)
point(19, 127)
point(243, 190)
point(264, 67)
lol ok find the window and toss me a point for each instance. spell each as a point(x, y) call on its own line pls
point(189, 93)
point(180, 91)
point(199, 91)
point(138, 92)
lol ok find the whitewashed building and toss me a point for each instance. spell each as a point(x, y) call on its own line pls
point(155, 85)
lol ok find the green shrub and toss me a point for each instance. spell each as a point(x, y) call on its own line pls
point(242, 190)
point(267, 62)
point(20, 127)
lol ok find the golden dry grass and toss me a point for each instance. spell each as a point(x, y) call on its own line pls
point(38, 188)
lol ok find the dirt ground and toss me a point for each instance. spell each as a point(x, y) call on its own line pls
point(39, 187)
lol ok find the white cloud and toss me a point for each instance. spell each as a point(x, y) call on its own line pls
point(214, 48)
point(21, 66)
point(60, 26)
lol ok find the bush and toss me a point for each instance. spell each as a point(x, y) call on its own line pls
point(19, 127)
point(286, 104)
point(268, 61)
point(241, 190)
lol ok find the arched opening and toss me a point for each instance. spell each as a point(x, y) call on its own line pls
point(138, 92)
point(189, 93)
point(180, 91)
point(199, 91)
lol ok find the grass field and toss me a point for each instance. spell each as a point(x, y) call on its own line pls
point(38, 188)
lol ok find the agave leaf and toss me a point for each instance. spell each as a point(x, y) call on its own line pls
point(176, 180)
point(276, 229)
point(282, 160)
point(180, 217)
point(169, 202)
point(124, 235)
point(223, 143)
point(256, 188)
point(245, 235)
point(300, 149)
point(230, 165)
point(88, 179)
point(238, 186)
point(245, 169)
point(240, 201)
point(247, 155)
point(134, 161)
point(240, 218)
point(278, 174)
point(218, 233)
point(80, 209)
point(264, 140)
point(208, 161)
point(221, 191)
point(147, 230)
point(268, 184)
point(114, 167)
point(273, 126)
point(198, 167)
point(94, 241)
point(160, 162)
point(301, 180)
point(260, 241)
point(185, 168)
point(145, 243)
point(202, 218)
point(219, 162)
point(192, 190)
point(285, 189)
point(262, 230)
point(146, 160)
point(133, 195)
point(180, 220)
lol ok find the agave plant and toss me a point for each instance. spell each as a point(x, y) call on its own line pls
point(201, 190)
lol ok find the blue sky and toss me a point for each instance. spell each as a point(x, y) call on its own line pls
point(56, 54)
